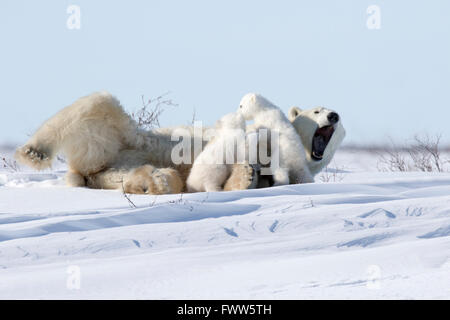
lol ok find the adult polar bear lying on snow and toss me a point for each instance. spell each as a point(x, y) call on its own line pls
point(105, 149)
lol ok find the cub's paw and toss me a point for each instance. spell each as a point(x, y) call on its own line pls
point(243, 176)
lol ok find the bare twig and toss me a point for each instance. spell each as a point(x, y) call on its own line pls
point(421, 160)
point(154, 201)
point(194, 117)
point(131, 203)
point(310, 204)
point(429, 152)
point(424, 154)
point(182, 202)
point(10, 165)
point(206, 198)
point(147, 116)
point(392, 159)
point(335, 175)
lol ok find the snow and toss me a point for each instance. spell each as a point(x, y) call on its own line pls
point(363, 234)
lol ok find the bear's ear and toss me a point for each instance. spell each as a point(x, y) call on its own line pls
point(252, 97)
point(294, 112)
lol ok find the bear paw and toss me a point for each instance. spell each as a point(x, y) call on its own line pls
point(34, 157)
point(243, 176)
point(149, 180)
point(167, 181)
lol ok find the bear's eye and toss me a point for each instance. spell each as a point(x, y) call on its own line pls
point(316, 112)
point(240, 106)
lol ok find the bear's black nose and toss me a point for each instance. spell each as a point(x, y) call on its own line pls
point(333, 117)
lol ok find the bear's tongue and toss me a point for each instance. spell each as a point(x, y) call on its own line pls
point(320, 142)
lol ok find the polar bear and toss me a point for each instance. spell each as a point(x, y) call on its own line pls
point(291, 166)
point(105, 149)
point(213, 166)
point(321, 132)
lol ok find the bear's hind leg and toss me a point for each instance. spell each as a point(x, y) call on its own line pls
point(90, 132)
point(167, 181)
point(149, 180)
point(34, 156)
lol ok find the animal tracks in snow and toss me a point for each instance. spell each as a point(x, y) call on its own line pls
point(289, 242)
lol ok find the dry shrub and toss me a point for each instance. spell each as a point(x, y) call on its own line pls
point(10, 165)
point(336, 174)
point(423, 154)
point(147, 116)
point(426, 153)
point(392, 158)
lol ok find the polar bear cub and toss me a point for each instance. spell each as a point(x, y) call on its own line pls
point(289, 165)
point(213, 165)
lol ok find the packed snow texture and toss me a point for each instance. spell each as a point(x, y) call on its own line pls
point(355, 233)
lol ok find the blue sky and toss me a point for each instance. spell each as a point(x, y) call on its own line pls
point(394, 81)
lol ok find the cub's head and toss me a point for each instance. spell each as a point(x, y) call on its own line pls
point(321, 132)
point(234, 120)
point(252, 104)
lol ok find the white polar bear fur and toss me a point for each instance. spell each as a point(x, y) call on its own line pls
point(99, 119)
point(306, 123)
point(96, 133)
point(292, 167)
point(103, 145)
point(213, 166)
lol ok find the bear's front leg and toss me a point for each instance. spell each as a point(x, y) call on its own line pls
point(242, 177)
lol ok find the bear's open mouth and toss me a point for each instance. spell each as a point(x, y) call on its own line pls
point(321, 138)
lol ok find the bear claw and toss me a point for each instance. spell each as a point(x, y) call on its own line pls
point(35, 155)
